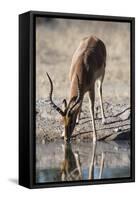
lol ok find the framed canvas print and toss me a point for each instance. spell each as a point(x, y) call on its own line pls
point(76, 99)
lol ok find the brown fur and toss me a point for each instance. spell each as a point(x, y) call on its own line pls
point(88, 63)
point(89, 57)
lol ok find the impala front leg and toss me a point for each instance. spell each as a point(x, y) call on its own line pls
point(101, 98)
point(79, 113)
point(91, 103)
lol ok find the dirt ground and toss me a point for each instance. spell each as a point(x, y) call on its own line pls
point(117, 127)
point(56, 41)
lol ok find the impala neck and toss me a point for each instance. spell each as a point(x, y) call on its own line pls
point(74, 89)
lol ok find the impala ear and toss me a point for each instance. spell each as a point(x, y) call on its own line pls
point(76, 107)
point(64, 105)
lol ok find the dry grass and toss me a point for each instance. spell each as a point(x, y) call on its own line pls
point(56, 41)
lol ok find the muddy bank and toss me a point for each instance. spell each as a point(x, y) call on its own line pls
point(117, 127)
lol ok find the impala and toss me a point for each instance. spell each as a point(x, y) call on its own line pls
point(87, 67)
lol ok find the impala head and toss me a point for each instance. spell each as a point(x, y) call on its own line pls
point(68, 112)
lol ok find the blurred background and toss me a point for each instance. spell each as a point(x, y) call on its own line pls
point(57, 40)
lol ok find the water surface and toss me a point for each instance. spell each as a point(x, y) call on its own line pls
point(56, 161)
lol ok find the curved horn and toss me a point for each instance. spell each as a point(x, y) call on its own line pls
point(50, 97)
point(79, 95)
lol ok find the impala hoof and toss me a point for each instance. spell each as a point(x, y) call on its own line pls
point(103, 121)
point(77, 121)
point(94, 140)
point(62, 136)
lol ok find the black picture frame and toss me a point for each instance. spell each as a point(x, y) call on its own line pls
point(27, 95)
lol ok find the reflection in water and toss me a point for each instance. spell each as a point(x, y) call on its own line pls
point(82, 161)
point(101, 166)
point(91, 168)
point(71, 166)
